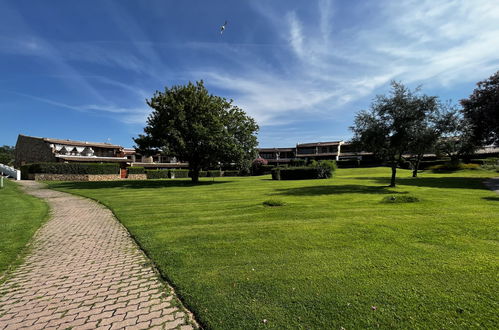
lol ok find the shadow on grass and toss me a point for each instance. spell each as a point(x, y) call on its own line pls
point(494, 199)
point(139, 184)
point(335, 190)
point(442, 182)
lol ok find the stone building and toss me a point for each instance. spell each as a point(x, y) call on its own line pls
point(30, 149)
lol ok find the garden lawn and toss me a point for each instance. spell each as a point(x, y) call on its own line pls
point(20, 216)
point(334, 256)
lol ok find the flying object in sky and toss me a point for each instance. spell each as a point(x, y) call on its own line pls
point(222, 28)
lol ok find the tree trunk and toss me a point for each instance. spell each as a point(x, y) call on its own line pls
point(416, 168)
point(195, 174)
point(394, 173)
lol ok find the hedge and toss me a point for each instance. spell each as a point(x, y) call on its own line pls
point(298, 173)
point(72, 168)
point(214, 173)
point(158, 174)
point(348, 163)
point(231, 173)
point(176, 174)
point(136, 170)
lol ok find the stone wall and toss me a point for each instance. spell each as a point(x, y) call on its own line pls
point(75, 177)
point(137, 176)
point(32, 150)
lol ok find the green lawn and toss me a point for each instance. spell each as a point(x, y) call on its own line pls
point(20, 216)
point(325, 258)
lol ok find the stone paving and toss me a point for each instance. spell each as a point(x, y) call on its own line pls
point(84, 271)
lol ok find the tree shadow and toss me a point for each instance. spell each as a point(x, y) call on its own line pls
point(133, 184)
point(493, 199)
point(441, 182)
point(336, 190)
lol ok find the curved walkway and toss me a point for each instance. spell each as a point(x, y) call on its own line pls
point(85, 272)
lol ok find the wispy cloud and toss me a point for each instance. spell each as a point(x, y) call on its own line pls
point(434, 43)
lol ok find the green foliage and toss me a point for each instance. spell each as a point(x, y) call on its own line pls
point(158, 174)
point(297, 162)
point(391, 127)
point(273, 202)
point(325, 168)
point(348, 163)
point(258, 166)
point(7, 155)
point(189, 123)
point(136, 170)
point(72, 168)
point(179, 174)
point(481, 111)
point(454, 167)
point(400, 199)
point(231, 173)
point(214, 173)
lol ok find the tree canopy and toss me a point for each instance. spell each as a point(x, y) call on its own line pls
point(481, 110)
point(205, 130)
point(392, 126)
point(6, 155)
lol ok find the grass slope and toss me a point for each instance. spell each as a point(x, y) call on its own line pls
point(334, 256)
point(20, 216)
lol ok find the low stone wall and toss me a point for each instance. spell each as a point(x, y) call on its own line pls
point(75, 177)
point(137, 177)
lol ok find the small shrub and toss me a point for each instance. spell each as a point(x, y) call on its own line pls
point(257, 166)
point(325, 169)
point(157, 174)
point(136, 170)
point(273, 202)
point(400, 199)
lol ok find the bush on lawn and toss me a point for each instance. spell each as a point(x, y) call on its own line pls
point(136, 170)
point(257, 166)
point(325, 168)
point(72, 168)
point(158, 174)
point(276, 173)
point(400, 199)
point(202, 174)
point(273, 202)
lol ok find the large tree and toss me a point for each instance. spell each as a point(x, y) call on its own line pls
point(390, 127)
point(481, 110)
point(205, 130)
point(7, 155)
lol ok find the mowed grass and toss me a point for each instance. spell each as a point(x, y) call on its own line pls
point(335, 255)
point(20, 216)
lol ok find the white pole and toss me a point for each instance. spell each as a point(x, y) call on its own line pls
point(1, 181)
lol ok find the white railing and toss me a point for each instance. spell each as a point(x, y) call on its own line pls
point(10, 171)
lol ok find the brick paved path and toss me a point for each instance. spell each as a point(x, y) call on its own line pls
point(85, 272)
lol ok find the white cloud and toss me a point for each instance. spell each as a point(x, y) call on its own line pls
point(438, 43)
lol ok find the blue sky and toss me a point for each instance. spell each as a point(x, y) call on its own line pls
point(83, 69)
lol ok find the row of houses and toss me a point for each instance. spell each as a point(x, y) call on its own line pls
point(337, 150)
point(30, 149)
